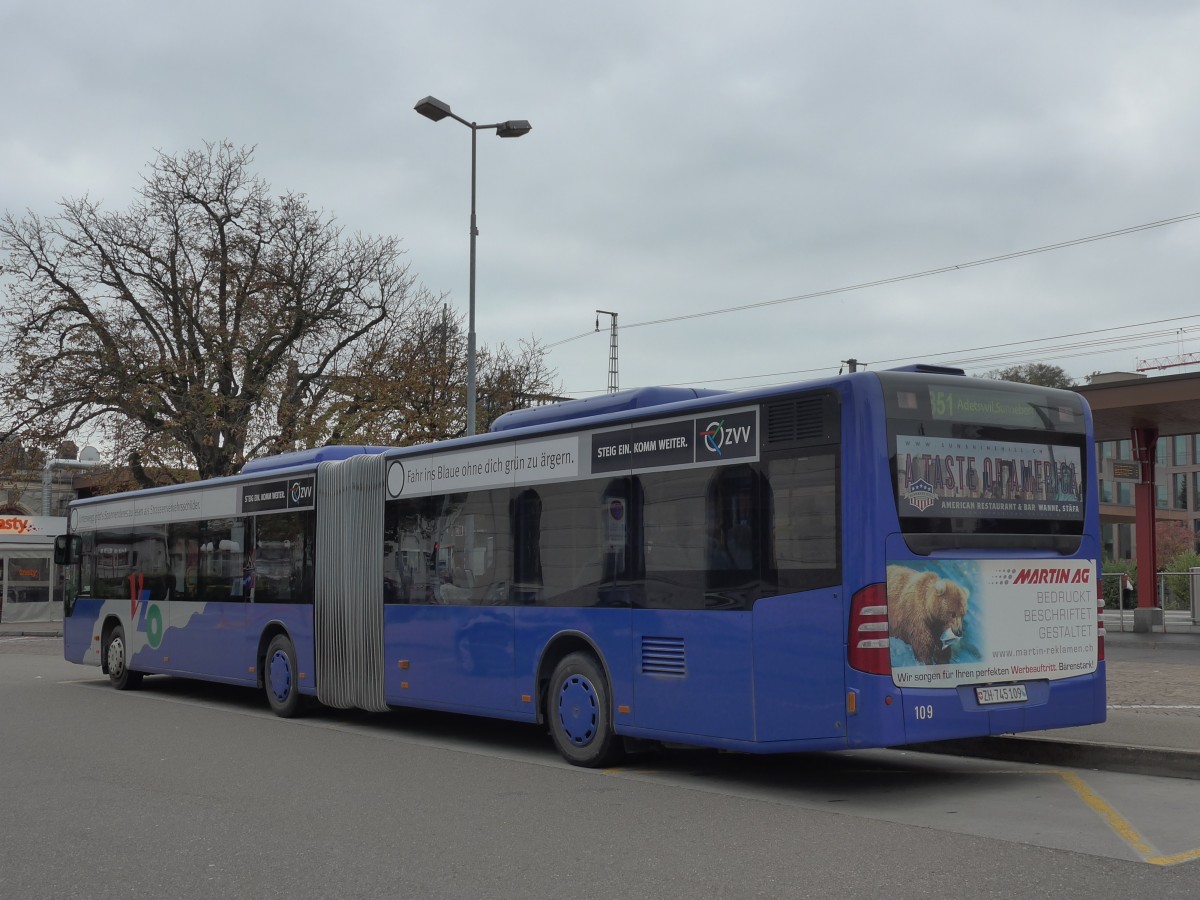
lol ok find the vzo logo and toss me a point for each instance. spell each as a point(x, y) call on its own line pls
point(151, 619)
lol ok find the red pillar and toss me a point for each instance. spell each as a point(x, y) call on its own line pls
point(1144, 442)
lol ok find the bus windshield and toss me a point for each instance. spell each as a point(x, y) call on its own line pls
point(983, 467)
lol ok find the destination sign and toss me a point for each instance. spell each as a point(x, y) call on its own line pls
point(997, 408)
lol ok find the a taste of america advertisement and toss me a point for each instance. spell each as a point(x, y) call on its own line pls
point(939, 476)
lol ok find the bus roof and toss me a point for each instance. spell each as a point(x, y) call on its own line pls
point(535, 420)
point(297, 458)
point(621, 401)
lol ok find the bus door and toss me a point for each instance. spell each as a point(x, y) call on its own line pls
point(693, 644)
point(213, 576)
point(799, 667)
point(692, 673)
point(450, 614)
point(799, 632)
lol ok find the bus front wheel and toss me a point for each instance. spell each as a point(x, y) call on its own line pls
point(116, 658)
point(579, 712)
point(280, 677)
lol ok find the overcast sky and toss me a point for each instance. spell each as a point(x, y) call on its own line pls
point(685, 157)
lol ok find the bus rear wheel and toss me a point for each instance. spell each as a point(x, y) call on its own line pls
point(116, 659)
point(281, 677)
point(579, 712)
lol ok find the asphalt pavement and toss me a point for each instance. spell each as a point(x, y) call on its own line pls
point(1153, 724)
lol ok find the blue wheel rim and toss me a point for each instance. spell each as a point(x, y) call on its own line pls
point(279, 676)
point(578, 710)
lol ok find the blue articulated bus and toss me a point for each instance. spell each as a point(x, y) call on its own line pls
point(870, 560)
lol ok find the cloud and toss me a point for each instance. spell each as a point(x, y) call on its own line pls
point(684, 157)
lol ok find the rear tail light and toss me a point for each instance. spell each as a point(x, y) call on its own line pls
point(870, 647)
point(1100, 617)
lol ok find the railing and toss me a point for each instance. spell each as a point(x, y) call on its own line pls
point(1177, 594)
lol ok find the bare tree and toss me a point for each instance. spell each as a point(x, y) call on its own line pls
point(514, 379)
point(407, 384)
point(213, 322)
point(174, 320)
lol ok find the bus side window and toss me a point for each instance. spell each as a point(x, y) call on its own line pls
point(184, 552)
point(224, 574)
point(624, 555)
point(733, 521)
point(280, 558)
point(806, 520)
point(526, 516)
point(410, 556)
point(113, 568)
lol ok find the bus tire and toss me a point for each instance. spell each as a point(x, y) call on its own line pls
point(281, 677)
point(116, 660)
point(579, 712)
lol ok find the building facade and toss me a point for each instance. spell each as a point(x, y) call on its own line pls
point(33, 508)
point(1176, 491)
point(31, 585)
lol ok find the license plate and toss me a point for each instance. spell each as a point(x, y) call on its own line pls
point(1003, 693)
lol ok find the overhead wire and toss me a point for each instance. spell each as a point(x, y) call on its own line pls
point(899, 278)
point(941, 270)
point(981, 362)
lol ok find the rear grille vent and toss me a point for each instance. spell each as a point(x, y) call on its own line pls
point(663, 656)
point(801, 419)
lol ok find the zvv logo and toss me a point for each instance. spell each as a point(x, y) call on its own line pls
point(730, 436)
point(300, 493)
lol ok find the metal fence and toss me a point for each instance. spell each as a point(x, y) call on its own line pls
point(1177, 594)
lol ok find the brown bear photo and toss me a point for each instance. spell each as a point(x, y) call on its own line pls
point(925, 611)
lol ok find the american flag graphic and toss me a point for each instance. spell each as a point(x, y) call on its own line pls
point(921, 495)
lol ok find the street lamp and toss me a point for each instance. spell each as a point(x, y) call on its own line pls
point(434, 109)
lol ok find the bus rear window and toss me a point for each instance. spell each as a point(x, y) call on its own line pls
point(973, 477)
point(985, 463)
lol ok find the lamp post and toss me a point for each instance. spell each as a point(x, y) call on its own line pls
point(434, 109)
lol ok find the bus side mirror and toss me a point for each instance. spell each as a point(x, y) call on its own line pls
point(67, 549)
